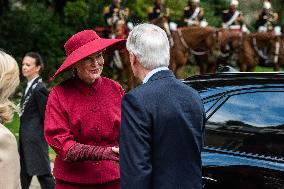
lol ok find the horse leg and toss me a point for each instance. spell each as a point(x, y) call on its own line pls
point(130, 80)
point(211, 64)
point(244, 61)
point(251, 69)
point(173, 66)
point(243, 67)
point(127, 71)
point(212, 67)
point(276, 66)
point(180, 71)
point(242, 64)
point(202, 66)
point(178, 61)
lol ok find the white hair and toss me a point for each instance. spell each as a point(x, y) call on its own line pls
point(150, 44)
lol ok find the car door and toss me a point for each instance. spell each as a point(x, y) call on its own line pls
point(244, 139)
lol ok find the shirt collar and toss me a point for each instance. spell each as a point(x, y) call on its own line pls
point(152, 72)
point(31, 81)
point(29, 84)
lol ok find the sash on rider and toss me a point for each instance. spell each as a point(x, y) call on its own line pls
point(195, 13)
point(192, 19)
point(232, 20)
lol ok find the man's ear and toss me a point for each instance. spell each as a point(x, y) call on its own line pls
point(133, 59)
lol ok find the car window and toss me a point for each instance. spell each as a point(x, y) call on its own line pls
point(208, 105)
point(249, 122)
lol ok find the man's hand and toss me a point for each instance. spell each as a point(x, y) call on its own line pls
point(115, 150)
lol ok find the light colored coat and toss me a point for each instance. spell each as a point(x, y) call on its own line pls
point(9, 160)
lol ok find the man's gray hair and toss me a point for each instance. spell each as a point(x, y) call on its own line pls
point(150, 44)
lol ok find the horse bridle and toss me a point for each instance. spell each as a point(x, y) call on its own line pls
point(183, 42)
point(265, 57)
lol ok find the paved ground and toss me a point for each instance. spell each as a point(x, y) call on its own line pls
point(35, 183)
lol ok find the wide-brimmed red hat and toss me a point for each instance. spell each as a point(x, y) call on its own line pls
point(83, 44)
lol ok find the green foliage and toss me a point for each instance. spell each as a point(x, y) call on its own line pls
point(95, 17)
point(85, 14)
point(27, 29)
point(263, 69)
point(210, 15)
point(138, 9)
point(14, 126)
point(76, 14)
point(176, 9)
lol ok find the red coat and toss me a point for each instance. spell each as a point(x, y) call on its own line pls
point(78, 113)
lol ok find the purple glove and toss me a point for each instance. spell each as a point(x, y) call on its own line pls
point(82, 152)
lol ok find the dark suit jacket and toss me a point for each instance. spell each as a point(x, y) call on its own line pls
point(33, 147)
point(161, 135)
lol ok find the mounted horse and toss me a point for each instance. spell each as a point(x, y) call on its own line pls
point(202, 42)
point(186, 41)
point(121, 32)
point(248, 50)
point(230, 42)
point(254, 48)
point(121, 58)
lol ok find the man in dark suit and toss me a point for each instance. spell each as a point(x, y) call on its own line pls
point(33, 148)
point(162, 121)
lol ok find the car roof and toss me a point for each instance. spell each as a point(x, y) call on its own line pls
point(237, 75)
point(220, 83)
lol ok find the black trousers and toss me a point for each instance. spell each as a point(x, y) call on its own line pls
point(45, 181)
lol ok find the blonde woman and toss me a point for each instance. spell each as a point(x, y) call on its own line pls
point(9, 157)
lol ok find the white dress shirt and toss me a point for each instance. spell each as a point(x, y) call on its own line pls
point(152, 72)
point(29, 84)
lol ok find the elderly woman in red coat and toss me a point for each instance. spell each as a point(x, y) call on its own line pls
point(82, 117)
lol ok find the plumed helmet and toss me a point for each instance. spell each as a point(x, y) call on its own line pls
point(234, 2)
point(266, 5)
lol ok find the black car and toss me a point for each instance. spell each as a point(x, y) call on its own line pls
point(244, 137)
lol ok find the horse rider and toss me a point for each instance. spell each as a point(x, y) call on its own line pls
point(158, 10)
point(117, 19)
point(267, 20)
point(194, 15)
point(115, 14)
point(233, 18)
